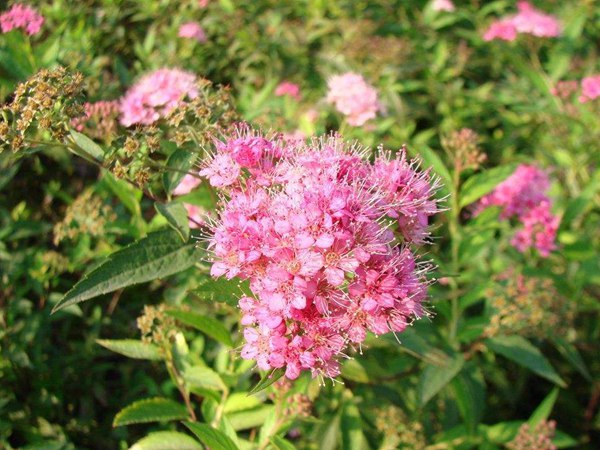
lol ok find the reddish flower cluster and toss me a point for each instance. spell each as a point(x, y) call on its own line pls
point(323, 237)
point(523, 195)
point(353, 97)
point(103, 114)
point(21, 16)
point(528, 20)
point(288, 88)
point(590, 88)
point(155, 95)
point(192, 30)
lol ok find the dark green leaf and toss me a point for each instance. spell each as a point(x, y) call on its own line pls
point(176, 215)
point(150, 410)
point(435, 378)
point(89, 147)
point(352, 433)
point(178, 164)
point(132, 348)
point(502, 432)
point(571, 354)
point(159, 255)
point(167, 440)
point(222, 290)
point(212, 438)
point(542, 412)
point(208, 325)
point(281, 444)
point(267, 380)
point(482, 183)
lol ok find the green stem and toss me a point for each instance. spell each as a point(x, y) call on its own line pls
point(455, 238)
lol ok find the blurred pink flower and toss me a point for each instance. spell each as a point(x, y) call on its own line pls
point(21, 16)
point(528, 20)
point(187, 184)
point(443, 5)
point(539, 230)
point(590, 88)
point(203, 3)
point(192, 30)
point(155, 95)
point(353, 97)
point(288, 88)
point(195, 214)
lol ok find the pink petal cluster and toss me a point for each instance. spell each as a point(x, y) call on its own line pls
point(523, 195)
point(288, 88)
point(192, 30)
point(322, 235)
point(528, 20)
point(353, 97)
point(590, 88)
point(155, 95)
point(21, 16)
point(443, 5)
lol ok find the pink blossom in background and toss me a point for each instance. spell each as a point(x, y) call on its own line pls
point(155, 95)
point(187, 184)
point(203, 3)
point(564, 89)
point(303, 223)
point(192, 30)
point(21, 16)
point(196, 215)
point(590, 88)
point(443, 5)
point(100, 110)
point(523, 195)
point(288, 88)
point(528, 20)
point(353, 97)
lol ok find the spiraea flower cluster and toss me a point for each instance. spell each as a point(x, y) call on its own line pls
point(100, 119)
point(523, 195)
point(534, 438)
point(528, 20)
point(590, 88)
point(192, 30)
point(324, 238)
point(353, 97)
point(21, 17)
point(157, 94)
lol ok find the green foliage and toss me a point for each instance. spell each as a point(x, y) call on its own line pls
point(150, 410)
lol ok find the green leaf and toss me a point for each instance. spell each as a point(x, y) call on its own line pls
point(542, 412)
point(176, 216)
point(132, 348)
point(502, 432)
point(354, 371)
point(159, 255)
point(415, 345)
point(431, 159)
point(212, 438)
point(129, 195)
point(521, 351)
point(240, 401)
point(90, 148)
point(281, 443)
point(435, 378)
point(563, 440)
point(208, 325)
point(267, 380)
point(570, 353)
point(166, 440)
point(150, 410)
point(204, 378)
point(178, 164)
point(482, 183)
point(352, 433)
point(469, 392)
point(222, 290)
point(251, 418)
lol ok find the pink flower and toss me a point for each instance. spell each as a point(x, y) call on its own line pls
point(192, 30)
point(195, 214)
point(353, 97)
point(590, 88)
point(21, 16)
point(187, 184)
point(155, 95)
point(288, 88)
point(523, 195)
point(443, 5)
point(528, 20)
point(308, 225)
point(203, 3)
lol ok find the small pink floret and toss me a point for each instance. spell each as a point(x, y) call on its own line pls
point(590, 88)
point(288, 88)
point(353, 97)
point(528, 20)
point(192, 30)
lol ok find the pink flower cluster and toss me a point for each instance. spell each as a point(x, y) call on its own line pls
point(192, 30)
point(353, 97)
point(528, 20)
point(100, 111)
point(155, 95)
point(323, 237)
point(21, 16)
point(523, 195)
point(590, 88)
point(443, 5)
point(288, 88)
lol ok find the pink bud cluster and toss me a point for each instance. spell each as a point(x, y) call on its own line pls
point(590, 88)
point(523, 195)
point(323, 237)
point(21, 16)
point(288, 88)
point(97, 110)
point(192, 30)
point(353, 97)
point(155, 95)
point(528, 20)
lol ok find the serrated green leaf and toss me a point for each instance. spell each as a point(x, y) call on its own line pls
point(281, 443)
point(159, 255)
point(435, 378)
point(176, 216)
point(412, 343)
point(267, 380)
point(240, 401)
point(129, 195)
point(208, 325)
point(222, 290)
point(89, 147)
point(167, 440)
point(521, 351)
point(542, 412)
point(250, 418)
point(178, 164)
point(204, 378)
point(483, 183)
point(211, 437)
point(150, 410)
point(132, 348)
